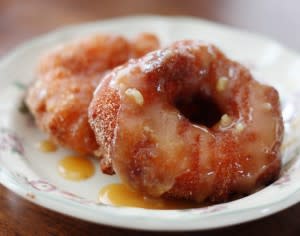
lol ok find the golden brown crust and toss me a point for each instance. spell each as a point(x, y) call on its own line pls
point(102, 116)
point(159, 151)
point(66, 79)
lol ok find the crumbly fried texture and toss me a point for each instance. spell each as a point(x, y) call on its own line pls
point(161, 146)
point(66, 78)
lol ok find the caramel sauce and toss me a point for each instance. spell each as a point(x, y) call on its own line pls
point(122, 195)
point(47, 146)
point(76, 168)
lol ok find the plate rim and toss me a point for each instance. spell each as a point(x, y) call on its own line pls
point(22, 192)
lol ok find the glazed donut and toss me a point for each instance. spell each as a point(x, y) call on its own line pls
point(186, 122)
point(65, 81)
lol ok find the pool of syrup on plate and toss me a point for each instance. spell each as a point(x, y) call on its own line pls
point(78, 168)
point(121, 195)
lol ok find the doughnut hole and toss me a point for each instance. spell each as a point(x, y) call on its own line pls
point(199, 109)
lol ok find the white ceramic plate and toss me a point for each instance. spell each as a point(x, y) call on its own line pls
point(32, 174)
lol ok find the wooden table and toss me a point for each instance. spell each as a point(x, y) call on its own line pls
point(22, 20)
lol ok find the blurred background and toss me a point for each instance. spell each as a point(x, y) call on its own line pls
point(22, 20)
